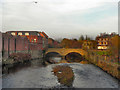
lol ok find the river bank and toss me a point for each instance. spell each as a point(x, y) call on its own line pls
point(42, 77)
point(104, 63)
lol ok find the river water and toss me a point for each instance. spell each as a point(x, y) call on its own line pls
point(37, 76)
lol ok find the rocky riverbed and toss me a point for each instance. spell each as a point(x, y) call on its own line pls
point(86, 76)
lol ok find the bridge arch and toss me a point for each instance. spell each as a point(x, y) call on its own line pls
point(51, 54)
point(65, 51)
point(74, 57)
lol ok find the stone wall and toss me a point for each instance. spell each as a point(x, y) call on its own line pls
point(104, 63)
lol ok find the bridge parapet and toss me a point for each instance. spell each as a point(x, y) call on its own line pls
point(65, 51)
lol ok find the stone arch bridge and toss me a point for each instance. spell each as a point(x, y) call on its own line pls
point(64, 51)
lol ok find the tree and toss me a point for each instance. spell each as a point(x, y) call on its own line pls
point(115, 43)
point(87, 38)
point(65, 43)
point(74, 39)
point(68, 43)
point(81, 37)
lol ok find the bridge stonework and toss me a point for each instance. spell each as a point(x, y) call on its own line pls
point(65, 51)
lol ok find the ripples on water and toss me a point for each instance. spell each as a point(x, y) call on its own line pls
point(34, 75)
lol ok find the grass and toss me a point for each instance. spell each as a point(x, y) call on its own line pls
point(65, 74)
point(103, 53)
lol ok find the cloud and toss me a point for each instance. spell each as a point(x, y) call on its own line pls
point(61, 18)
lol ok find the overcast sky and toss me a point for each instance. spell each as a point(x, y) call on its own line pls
point(60, 18)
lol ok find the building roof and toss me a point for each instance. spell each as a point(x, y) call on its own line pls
point(104, 35)
point(31, 32)
point(43, 34)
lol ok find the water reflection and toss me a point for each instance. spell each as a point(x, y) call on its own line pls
point(20, 66)
point(56, 59)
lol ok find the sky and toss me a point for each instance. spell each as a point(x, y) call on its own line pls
point(60, 18)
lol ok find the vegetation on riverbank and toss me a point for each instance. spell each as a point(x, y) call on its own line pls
point(65, 74)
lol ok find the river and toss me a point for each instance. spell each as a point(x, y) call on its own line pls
point(37, 76)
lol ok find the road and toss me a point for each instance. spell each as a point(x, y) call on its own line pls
point(86, 76)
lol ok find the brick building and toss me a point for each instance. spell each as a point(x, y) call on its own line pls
point(45, 39)
point(103, 40)
point(33, 37)
point(24, 42)
point(52, 43)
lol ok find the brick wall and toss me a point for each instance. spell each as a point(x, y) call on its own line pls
point(12, 44)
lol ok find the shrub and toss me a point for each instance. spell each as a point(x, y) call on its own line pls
point(18, 57)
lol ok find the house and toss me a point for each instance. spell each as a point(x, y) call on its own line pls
point(89, 44)
point(103, 40)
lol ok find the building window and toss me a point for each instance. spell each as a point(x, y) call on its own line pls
point(106, 38)
point(35, 40)
point(19, 33)
point(100, 43)
point(38, 34)
point(26, 34)
point(13, 33)
point(103, 43)
point(99, 47)
point(106, 43)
